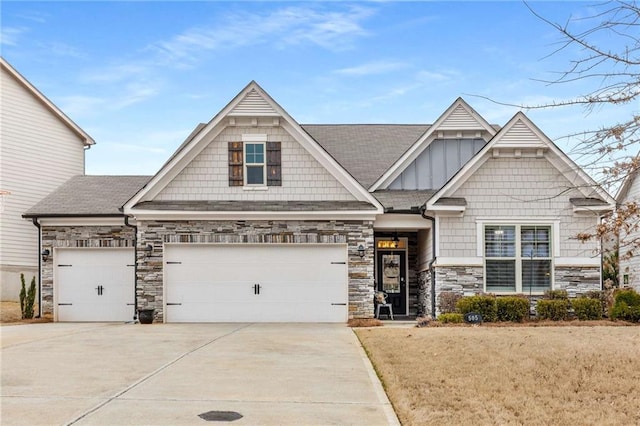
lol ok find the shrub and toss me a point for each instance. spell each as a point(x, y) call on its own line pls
point(512, 308)
point(605, 297)
point(553, 309)
point(587, 309)
point(556, 295)
point(23, 295)
point(626, 305)
point(451, 317)
point(31, 298)
point(447, 301)
point(423, 321)
point(27, 298)
point(483, 304)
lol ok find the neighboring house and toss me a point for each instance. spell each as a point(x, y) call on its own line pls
point(40, 148)
point(258, 218)
point(630, 265)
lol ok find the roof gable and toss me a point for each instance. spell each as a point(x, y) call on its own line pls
point(50, 106)
point(252, 102)
point(521, 133)
point(457, 118)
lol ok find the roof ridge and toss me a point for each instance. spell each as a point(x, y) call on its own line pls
point(367, 124)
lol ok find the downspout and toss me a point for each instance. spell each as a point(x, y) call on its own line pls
point(37, 224)
point(135, 267)
point(432, 271)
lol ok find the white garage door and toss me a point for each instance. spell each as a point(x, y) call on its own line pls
point(95, 284)
point(256, 283)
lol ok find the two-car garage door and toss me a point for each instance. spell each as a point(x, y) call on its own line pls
point(255, 283)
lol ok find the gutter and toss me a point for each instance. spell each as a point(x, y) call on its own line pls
point(432, 271)
point(37, 225)
point(135, 267)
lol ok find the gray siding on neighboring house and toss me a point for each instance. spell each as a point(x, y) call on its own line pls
point(630, 266)
point(38, 153)
point(437, 163)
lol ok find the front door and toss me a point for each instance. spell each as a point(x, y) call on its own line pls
point(392, 278)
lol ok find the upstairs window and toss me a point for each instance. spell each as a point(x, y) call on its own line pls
point(254, 163)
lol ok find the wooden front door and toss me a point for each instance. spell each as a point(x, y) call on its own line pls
point(392, 278)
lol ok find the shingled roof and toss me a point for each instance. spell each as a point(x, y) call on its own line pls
point(89, 196)
point(366, 151)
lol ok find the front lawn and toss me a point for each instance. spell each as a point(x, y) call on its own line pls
point(511, 375)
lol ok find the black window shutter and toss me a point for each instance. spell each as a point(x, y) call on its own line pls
point(235, 164)
point(274, 165)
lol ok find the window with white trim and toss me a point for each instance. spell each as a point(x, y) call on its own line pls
point(517, 258)
point(254, 164)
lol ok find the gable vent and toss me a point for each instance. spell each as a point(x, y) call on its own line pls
point(519, 135)
point(460, 119)
point(253, 105)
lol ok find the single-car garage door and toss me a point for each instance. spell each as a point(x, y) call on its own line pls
point(95, 284)
point(256, 283)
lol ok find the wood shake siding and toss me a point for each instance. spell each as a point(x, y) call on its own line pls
point(526, 188)
point(28, 129)
point(207, 176)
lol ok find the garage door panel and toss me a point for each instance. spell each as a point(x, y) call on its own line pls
point(94, 284)
point(298, 283)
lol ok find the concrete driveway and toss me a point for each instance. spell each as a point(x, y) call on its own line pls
point(156, 374)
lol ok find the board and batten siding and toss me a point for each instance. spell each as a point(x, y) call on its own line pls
point(206, 177)
point(38, 153)
point(631, 266)
point(525, 188)
point(437, 163)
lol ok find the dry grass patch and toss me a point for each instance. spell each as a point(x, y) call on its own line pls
point(516, 375)
point(364, 322)
point(10, 314)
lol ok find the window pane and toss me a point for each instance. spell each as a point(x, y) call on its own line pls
point(255, 175)
point(535, 241)
point(536, 275)
point(255, 153)
point(500, 241)
point(501, 275)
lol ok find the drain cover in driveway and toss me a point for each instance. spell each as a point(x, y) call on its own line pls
point(220, 416)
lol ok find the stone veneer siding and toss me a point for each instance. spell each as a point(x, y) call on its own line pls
point(424, 293)
point(77, 237)
point(577, 280)
point(353, 233)
point(469, 280)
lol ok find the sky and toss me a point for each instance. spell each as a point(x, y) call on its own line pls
point(139, 76)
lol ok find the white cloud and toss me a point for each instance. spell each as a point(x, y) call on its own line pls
point(288, 26)
point(9, 35)
point(378, 67)
point(440, 76)
point(79, 106)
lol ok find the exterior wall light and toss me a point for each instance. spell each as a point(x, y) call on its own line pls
point(45, 254)
point(361, 251)
point(148, 250)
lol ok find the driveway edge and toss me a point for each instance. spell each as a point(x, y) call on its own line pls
point(392, 418)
